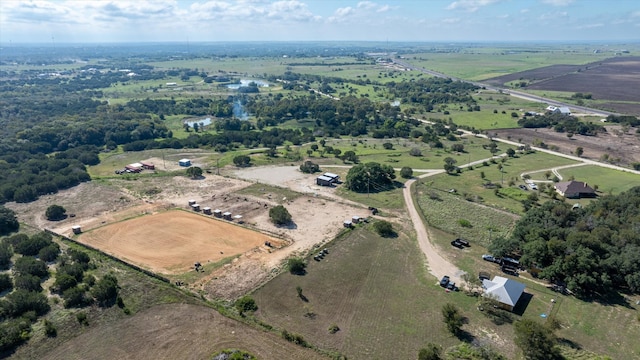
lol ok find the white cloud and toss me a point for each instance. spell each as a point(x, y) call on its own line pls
point(591, 26)
point(450, 20)
point(366, 5)
point(470, 5)
point(558, 2)
point(524, 11)
point(384, 8)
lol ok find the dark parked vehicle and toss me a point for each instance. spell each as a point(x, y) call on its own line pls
point(463, 242)
point(489, 257)
point(482, 275)
point(457, 244)
point(507, 261)
point(452, 286)
point(445, 281)
point(523, 187)
point(509, 270)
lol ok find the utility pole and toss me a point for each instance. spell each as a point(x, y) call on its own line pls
point(218, 166)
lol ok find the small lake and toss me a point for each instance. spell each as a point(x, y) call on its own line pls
point(200, 122)
point(245, 82)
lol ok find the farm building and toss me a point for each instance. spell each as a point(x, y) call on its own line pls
point(135, 167)
point(347, 223)
point(195, 207)
point(574, 189)
point(335, 177)
point(76, 229)
point(559, 110)
point(324, 181)
point(206, 210)
point(147, 165)
point(184, 162)
point(506, 291)
point(355, 219)
point(217, 213)
point(226, 215)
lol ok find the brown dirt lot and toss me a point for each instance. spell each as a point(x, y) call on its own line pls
point(317, 219)
point(170, 242)
point(624, 148)
point(177, 331)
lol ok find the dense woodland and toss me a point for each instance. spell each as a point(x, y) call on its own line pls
point(593, 250)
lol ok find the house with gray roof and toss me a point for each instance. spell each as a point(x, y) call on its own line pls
point(506, 291)
point(574, 189)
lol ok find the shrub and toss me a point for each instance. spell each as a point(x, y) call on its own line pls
point(333, 329)
point(27, 265)
point(27, 282)
point(415, 152)
point(8, 221)
point(465, 223)
point(55, 213)
point(105, 290)
point(82, 318)
point(50, 329)
point(49, 253)
point(279, 215)
point(387, 146)
point(296, 266)
point(406, 172)
point(383, 228)
point(75, 297)
point(309, 167)
point(246, 303)
point(5, 255)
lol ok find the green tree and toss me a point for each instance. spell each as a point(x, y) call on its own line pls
point(242, 160)
point(449, 164)
point(55, 213)
point(511, 152)
point(49, 253)
point(296, 266)
point(370, 177)
point(5, 282)
point(452, 318)
point(579, 151)
point(75, 297)
point(26, 265)
point(279, 215)
point(430, 352)
point(64, 282)
point(536, 341)
point(457, 147)
point(8, 221)
point(194, 172)
point(350, 156)
point(406, 172)
point(27, 282)
point(383, 228)
point(246, 303)
point(5, 255)
point(105, 290)
point(387, 146)
point(309, 167)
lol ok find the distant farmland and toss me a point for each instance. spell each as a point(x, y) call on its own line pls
point(613, 82)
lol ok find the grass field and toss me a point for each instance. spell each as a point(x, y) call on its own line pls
point(609, 181)
point(375, 290)
point(447, 212)
point(488, 62)
point(470, 182)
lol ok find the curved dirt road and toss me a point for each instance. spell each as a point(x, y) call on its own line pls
point(438, 266)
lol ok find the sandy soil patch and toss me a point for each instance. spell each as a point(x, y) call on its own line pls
point(171, 242)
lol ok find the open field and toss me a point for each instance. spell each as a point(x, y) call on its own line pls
point(609, 181)
point(479, 63)
point(621, 148)
point(379, 294)
point(614, 77)
point(172, 241)
point(177, 331)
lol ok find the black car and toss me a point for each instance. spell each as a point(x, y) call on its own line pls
point(452, 286)
point(457, 243)
point(445, 281)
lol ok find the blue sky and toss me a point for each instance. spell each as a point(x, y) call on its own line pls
point(39, 21)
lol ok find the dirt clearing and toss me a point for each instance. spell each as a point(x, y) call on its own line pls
point(171, 242)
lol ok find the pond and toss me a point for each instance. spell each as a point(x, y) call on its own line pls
point(245, 82)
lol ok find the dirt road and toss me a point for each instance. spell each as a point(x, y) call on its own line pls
point(438, 266)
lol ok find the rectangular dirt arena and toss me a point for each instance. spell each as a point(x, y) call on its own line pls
point(171, 242)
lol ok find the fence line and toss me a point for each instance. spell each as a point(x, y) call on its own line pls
point(133, 266)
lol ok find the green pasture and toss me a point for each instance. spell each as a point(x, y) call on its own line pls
point(609, 181)
point(445, 212)
point(469, 183)
point(489, 62)
point(376, 290)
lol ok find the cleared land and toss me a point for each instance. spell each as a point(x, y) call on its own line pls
point(172, 241)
